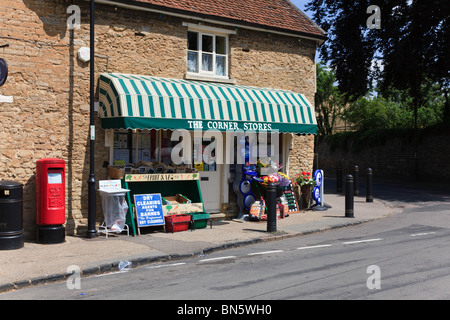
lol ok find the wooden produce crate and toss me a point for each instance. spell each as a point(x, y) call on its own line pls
point(115, 172)
point(180, 204)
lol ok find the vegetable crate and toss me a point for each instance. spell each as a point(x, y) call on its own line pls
point(177, 222)
point(199, 220)
point(180, 204)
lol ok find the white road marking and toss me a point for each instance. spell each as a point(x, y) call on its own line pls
point(214, 259)
point(260, 253)
point(265, 252)
point(422, 234)
point(314, 247)
point(110, 273)
point(167, 265)
point(362, 241)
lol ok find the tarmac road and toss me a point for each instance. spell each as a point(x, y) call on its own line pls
point(408, 252)
point(409, 248)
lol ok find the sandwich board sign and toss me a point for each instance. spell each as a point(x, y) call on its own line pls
point(149, 210)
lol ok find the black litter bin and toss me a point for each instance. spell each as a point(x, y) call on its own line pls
point(11, 215)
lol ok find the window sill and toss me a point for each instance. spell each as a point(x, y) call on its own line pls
point(198, 77)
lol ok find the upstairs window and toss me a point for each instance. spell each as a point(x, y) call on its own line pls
point(207, 54)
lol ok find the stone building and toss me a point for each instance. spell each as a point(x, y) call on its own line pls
point(44, 104)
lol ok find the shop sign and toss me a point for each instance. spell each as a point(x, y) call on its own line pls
point(228, 125)
point(110, 184)
point(161, 177)
point(318, 177)
point(318, 189)
point(3, 71)
point(3, 77)
point(149, 211)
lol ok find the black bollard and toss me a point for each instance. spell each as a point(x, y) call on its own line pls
point(271, 203)
point(339, 178)
point(356, 180)
point(349, 192)
point(369, 195)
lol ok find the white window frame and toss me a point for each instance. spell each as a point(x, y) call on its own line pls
point(214, 32)
point(214, 54)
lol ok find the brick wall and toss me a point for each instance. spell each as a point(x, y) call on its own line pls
point(50, 113)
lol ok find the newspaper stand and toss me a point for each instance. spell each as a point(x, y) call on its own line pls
point(114, 211)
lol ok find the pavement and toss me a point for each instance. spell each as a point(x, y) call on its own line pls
point(37, 264)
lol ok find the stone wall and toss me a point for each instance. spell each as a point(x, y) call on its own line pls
point(394, 159)
point(301, 157)
point(49, 117)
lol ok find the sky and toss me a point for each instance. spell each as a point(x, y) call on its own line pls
point(301, 5)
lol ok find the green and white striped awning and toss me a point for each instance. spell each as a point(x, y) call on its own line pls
point(144, 102)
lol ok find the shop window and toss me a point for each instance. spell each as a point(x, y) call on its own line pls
point(133, 146)
point(144, 146)
point(204, 154)
point(122, 148)
point(269, 153)
point(207, 54)
point(269, 147)
point(166, 146)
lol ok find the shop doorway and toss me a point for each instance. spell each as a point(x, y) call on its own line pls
point(204, 154)
point(210, 182)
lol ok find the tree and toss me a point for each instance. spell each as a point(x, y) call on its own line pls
point(367, 113)
point(390, 110)
point(347, 50)
point(328, 100)
point(412, 46)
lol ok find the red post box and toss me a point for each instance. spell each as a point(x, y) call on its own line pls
point(50, 200)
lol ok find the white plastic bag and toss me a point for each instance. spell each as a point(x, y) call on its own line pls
point(115, 211)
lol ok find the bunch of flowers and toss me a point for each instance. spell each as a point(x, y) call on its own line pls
point(304, 179)
point(285, 180)
point(260, 164)
point(273, 178)
point(283, 175)
point(267, 168)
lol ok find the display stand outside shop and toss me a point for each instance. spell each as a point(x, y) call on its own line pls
point(180, 194)
point(114, 207)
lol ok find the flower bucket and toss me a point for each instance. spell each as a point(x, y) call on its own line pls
point(306, 193)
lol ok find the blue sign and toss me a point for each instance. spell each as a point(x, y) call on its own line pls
point(318, 189)
point(149, 211)
point(318, 177)
point(317, 195)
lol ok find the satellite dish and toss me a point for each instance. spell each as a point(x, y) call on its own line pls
point(3, 71)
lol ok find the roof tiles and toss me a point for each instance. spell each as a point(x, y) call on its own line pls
point(278, 14)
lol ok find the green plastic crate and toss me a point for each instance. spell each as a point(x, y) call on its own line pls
point(199, 219)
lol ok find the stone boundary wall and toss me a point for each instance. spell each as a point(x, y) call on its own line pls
point(394, 159)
